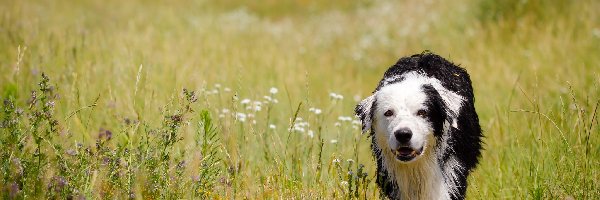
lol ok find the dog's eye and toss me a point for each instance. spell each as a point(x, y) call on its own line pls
point(421, 113)
point(388, 113)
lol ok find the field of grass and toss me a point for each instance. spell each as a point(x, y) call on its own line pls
point(254, 99)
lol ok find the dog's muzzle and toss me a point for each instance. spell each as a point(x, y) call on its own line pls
point(406, 153)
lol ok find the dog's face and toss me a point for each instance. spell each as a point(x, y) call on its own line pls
point(401, 121)
point(407, 117)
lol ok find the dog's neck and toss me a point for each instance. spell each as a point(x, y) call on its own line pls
point(420, 179)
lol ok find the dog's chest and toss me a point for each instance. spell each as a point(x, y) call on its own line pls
point(424, 180)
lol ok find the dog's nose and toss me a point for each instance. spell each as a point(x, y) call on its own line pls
point(403, 135)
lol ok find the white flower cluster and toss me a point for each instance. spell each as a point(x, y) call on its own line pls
point(315, 110)
point(213, 91)
point(269, 99)
point(354, 121)
point(335, 96)
point(252, 105)
point(344, 118)
point(273, 90)
point(216, 89)
point(302, 126)
point(240, 117)
point(223, 112)
point(245, 101)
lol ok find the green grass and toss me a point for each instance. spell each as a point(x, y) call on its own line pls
point(111, 118)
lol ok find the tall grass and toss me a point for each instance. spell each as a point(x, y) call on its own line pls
point(249, 99)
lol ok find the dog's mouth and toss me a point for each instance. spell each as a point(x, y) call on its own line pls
point(406, 154)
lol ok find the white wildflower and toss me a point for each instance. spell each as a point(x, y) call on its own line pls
point(337, 124)
point(240, 117)
point(299, 129)
point(349, 160)
point(273, 90)
point(302, 124)
point(245, 101)
point(344, 118)
point(268, 98)
point(333, 141)
point(218, 85)
point(336, 160)
point(272, 126)
point(257, 106)
point(318, 111)
point(310, 133)
point(225, 111)
point(344, 182)
point(227, 89)
point(315, 110)
point(335, 96)
point(271, 99)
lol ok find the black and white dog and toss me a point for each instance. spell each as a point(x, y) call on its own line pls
point(425, 132)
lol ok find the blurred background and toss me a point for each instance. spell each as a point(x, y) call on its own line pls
point(534, 66)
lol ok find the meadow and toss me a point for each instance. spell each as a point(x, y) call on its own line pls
point(234, 99)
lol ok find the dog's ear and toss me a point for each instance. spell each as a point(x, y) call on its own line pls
point(364, 112)
point(451, 102)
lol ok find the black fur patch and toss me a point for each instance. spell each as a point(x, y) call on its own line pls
point(436, 110)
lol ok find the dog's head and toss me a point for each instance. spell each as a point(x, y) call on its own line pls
point(407, 116)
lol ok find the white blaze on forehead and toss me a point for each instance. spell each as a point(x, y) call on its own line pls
point(406, 95)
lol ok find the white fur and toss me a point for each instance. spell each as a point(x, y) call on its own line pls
point(421, 179)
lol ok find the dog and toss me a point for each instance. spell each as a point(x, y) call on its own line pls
point(425, 132)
